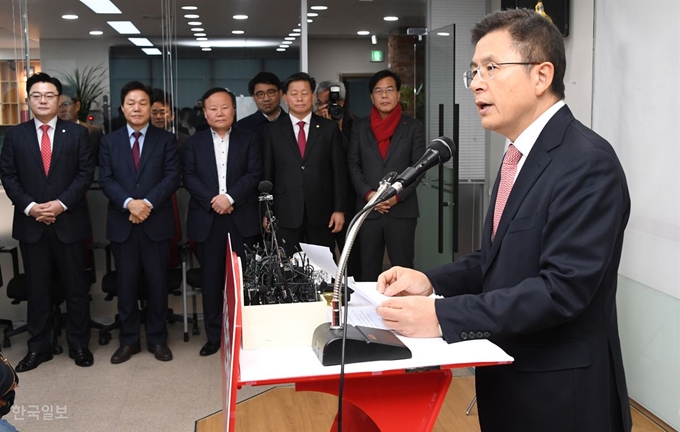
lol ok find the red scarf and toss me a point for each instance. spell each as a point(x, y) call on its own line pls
point(383, 128)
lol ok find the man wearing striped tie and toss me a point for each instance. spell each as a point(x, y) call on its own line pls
point(46, 167)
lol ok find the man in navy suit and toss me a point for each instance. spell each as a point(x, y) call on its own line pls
point(305, 161)
point(139, 172)
point(46, 167)
point(222, 170)
point(387, 140)
point(543, 284)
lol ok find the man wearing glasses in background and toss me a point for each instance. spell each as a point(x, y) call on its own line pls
point(265, 88)
point(46, 167)
point(68, 111)
point(385, 141)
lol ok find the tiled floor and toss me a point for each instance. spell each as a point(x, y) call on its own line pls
point(142, 394)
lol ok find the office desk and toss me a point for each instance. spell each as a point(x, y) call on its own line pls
point(400, 395)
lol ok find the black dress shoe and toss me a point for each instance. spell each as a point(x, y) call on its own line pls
point(32, 361)
point(83, 357)
point(209, 349)
point(161, 352)
point(124, 352)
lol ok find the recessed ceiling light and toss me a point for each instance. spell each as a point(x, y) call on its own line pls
point(312, 14)
point(199, 34)
point(101, 6)
point(297, 30)
point(283, 46)
point(363, 32)
point(391, 18)
point(206, 49)
point(197, 29)
point(237, 32)
point(240, 17)
point(124, 27)
point(140, 41)
point(189, 7)
point(374, 39)
point(294, 34)
point(280, 49)
point(69, 17)
point(443, 34)
point(152, 51)
point(195, 23)
point(201, 38)
point(286, 42)
point(310, 20)
point(191, 16)
point(319, 7)
point(96, 32)
point(289, 38)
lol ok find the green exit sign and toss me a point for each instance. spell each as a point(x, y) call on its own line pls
point(377, 56)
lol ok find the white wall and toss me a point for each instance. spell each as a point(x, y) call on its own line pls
point(330, 57)
point(59, 56)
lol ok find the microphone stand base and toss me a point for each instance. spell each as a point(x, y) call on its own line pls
point(363, 344)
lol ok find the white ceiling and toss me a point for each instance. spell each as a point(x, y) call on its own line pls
point(268, 19)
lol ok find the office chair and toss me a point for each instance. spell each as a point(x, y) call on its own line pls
point(174, 280)
point(18, 292)
point(5, 322)
point(192, 277)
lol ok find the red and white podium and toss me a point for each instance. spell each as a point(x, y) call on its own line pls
point(400, 395)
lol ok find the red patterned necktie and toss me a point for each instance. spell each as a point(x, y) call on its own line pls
point(508, 172)
point(46, 148)
point(302, 140)
point(135, 149)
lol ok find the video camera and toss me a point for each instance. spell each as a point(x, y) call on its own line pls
point(334, 109)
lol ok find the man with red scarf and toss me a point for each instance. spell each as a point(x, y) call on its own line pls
point(385, 141)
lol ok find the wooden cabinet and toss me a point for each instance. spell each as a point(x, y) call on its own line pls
point(13, 104)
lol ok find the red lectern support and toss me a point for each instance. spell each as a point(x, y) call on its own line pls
point(388, 402)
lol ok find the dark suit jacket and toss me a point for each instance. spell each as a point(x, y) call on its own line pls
point(319, 180)
point(23, 177)
point(544, 290)
point(367, 167)
point(96, 134)
point(244, 171)
point(253, 122)
point(156, 180)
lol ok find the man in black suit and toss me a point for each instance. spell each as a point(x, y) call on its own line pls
point(68, 111)
point(265, 89)
point(385, 141)
point(46, 168)
point(304, 159)
point(139, 172)
point(163, 117)
point(543, 285)
point(222, 170)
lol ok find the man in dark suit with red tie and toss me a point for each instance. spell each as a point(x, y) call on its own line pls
point(222, 170)
point(543, 284)
point(305, 161)
point(46, 168)
point(139, 172)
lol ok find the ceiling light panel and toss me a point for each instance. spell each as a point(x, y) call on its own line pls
point(240, 17)
point(197, 29)
point(312, 14)
point(70, 17)
point(96, 32)
point(152, 51)
point(124, 27)
point(141, 42)
point(195, 23)
point(101, 6)
point(237, 32)
point(192, 16)
point(318, 8)
point(189, 7)
point(363, 32)
point(391, 18)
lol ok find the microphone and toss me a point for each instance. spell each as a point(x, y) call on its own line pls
point(438, 152)
point(265, 187)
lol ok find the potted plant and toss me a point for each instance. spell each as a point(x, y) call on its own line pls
point(88, 84)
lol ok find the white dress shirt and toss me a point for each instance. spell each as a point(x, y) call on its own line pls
point(296, 128)
point(50, 133)
point(221, 147)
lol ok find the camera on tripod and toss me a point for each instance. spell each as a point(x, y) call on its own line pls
point(335, 110)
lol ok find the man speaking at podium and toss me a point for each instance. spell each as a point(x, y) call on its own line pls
point(543, 284)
